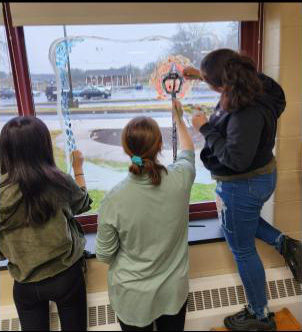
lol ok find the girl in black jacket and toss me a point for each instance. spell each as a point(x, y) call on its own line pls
point(240, 137)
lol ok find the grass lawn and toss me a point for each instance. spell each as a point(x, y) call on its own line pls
point(58, 153)
point(200, 192)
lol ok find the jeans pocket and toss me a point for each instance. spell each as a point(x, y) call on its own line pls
point(262, 186)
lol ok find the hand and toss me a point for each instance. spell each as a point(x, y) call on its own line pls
point(77, 160)
point(191, 73)
point(198, 120)
point(177, 111)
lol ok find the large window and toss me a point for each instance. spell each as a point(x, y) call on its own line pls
point(112, 70)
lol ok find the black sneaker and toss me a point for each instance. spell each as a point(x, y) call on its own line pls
point(291, 250)
point(245, 321)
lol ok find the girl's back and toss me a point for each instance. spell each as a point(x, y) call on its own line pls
point(36, 252)
point(143, 232)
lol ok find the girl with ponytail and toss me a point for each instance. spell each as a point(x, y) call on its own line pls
point(240, 137)
point(143, 231)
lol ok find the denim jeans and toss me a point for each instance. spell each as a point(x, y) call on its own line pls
point(67, 289)
point(239, 204)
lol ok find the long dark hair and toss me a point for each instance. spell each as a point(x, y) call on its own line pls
point(26, 155)
point(236, 74)
point(142, 137)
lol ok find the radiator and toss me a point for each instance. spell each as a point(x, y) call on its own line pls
point(210, 300)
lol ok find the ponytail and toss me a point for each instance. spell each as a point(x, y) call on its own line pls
point(150, 167)
point(142, 137)
point(237, 76)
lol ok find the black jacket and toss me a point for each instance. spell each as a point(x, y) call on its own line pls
point(242, 141)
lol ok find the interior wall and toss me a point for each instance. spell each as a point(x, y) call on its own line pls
point(282, 61)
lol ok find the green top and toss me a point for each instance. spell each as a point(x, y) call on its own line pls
point(266, 169)
point(143, 235)
point(39, 252)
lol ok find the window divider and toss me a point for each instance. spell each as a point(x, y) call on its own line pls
point(18, 58)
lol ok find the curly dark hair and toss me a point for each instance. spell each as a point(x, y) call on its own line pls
point(235, 75)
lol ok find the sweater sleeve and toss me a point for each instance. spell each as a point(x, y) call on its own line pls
point(80, 199)
point(107, 240)
point(238, 149)
point(185, 166)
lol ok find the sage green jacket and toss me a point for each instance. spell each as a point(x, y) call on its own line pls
point(37, 252)
point(143, 235)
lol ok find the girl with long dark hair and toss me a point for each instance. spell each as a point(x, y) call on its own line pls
point(39, 236)
point(143, 231)
point(239, 139)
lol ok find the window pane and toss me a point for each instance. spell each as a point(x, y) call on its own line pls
point(116, 73)
point(8, 103)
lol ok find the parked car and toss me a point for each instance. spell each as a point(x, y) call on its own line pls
point(138, 86)
point(51, 93)
point(92, 91)
point(7, 93)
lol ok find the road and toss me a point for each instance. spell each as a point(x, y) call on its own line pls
point(118, 98)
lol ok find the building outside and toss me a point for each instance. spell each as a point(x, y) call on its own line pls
point(109, 77)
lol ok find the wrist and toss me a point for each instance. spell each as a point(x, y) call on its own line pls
point(78, 174)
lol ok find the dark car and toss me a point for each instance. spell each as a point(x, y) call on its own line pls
point(7, 93)
point(51, 93)
point(91, 91)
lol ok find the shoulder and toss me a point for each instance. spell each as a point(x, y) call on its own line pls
point(112, 195)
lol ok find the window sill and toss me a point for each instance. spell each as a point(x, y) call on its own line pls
point(200, 232)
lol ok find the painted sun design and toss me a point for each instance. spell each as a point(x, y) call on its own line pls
point(163, 68)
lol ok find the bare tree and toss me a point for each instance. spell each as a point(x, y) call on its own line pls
point(194, 41)
point(232, 37)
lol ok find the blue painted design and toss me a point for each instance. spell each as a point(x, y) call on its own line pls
point(62, 51)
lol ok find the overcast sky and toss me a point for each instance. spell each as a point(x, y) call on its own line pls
point(98, 54)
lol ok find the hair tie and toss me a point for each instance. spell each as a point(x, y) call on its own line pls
point(137, 160)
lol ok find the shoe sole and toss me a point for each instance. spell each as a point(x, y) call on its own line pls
point(298, 276)
point(229, 326)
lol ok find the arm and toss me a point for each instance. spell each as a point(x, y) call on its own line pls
point(238, 149)
point(77, 165)
point(186, 159)
point(191, 73)
point(80, 200)
point(185, 138)
point(107, 241)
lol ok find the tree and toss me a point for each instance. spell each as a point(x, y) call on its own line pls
point(232, 38)
point(193, 41)
point(78, 75)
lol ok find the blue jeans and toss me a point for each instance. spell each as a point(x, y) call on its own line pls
point(239, 204)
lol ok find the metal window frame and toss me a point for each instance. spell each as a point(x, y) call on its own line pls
point(250, 41)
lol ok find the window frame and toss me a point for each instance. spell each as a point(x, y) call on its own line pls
point(250, 41)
